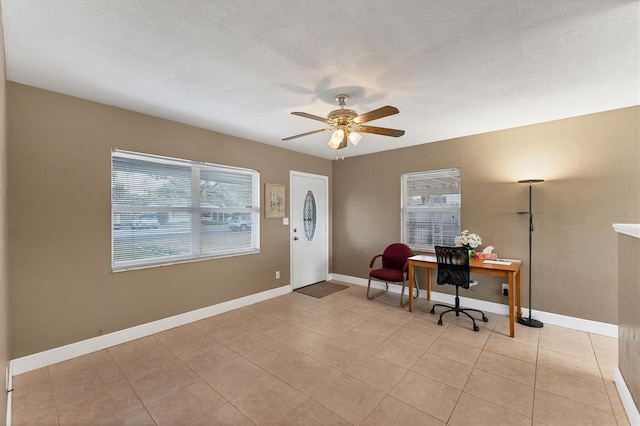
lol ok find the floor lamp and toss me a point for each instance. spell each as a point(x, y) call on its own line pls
point(530, 322)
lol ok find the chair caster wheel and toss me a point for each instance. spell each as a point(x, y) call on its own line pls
point(485, 319)
point(439, 322)
point(432, 311)
point(476, 328)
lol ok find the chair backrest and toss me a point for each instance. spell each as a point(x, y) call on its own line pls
point(453, 266)
point(395, 256)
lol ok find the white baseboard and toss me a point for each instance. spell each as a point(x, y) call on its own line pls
point(589, 326)
point(63, 353)
point(627, 400)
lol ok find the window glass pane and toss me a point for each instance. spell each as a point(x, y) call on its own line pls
point(143, 183)
point(235, 234)
point(225, 189)
point(431, 208)
point(153, 209)
point(150, 235)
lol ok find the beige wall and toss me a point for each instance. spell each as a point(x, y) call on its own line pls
point(629, 314)
point(4, 287)
point(62, 287)
point(590, 165)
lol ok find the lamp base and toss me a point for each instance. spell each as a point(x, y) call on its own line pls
point(530, 322)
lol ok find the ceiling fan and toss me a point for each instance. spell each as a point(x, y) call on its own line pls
point(346, 123)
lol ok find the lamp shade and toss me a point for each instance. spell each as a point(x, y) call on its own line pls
point(354, 138)
point(336, 139)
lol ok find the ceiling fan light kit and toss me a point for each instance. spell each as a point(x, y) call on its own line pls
point(346, 123)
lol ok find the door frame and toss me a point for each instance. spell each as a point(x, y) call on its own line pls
point(292, 175)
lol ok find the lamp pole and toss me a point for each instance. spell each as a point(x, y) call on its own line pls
point(530, 322)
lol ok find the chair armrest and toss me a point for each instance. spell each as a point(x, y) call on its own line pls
point(373, 260)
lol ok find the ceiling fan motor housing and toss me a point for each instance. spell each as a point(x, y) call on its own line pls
point(342, 117)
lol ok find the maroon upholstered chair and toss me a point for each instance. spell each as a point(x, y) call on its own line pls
point(395, 269)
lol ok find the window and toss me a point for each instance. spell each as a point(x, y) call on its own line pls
point(167, 210)
point(430, 208)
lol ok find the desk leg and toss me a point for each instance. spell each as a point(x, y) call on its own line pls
point(512, 297)
point(410, 285)
point(519, 293)
point(428, 283)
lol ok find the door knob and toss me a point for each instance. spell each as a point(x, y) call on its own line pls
point(295, 238)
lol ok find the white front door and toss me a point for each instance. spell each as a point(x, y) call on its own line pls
point(309, 228)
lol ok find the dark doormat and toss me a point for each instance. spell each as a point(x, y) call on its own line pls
point(321, 289)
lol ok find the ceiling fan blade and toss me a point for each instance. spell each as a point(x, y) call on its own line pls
point(306, 134)
point(311, 116)
point(379, 131)
point(375, 114)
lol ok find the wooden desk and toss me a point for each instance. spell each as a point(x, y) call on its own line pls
point(511, 272)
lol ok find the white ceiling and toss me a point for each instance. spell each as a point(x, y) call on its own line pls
point(240, 67)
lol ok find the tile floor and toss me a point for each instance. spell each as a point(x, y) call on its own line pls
point(339, 360)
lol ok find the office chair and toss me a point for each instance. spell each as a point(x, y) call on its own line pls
point(453, 269)
point(395, 268)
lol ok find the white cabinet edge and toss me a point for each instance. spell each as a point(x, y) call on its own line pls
point(631, 229)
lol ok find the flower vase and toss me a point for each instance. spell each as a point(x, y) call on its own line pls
point(472, 251)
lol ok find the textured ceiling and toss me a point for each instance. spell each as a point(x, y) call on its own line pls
point(240, 67)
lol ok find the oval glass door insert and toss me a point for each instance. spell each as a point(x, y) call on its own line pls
point(309, 217)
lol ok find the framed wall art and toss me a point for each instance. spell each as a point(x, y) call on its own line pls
point(274, 200)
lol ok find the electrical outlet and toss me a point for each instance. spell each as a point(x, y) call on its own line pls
point(277, 275)
point(505, 289)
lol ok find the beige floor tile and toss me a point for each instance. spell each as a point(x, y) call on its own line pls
point(414, 338)
point(467, 336)
point(581, 389)
point(306, 341)
point(215, 358)
point(185, 405)
point(140, 417)
point(606, 356)
point(307, 374)
point(268, 401)
point(444, 370)
point(303, 319)
point(78, 368)
point(563, 333)
point(378, 327)
point(141, 357)
point(330, 328)
point(523, 334)
point(456, 351)
point(392, 412)
point(604, 342)
point(325, 311)
point(89, 386)
point(227, 415)
point(236, 379)
point(616, 402)
point(554, 410)
point(162, 382)
point(33, 404)
point(427, 395)
point(582, 367)
point(359, 339)
point(214, 323)
point(348, 397)
point(337, 354)
point(281, 329)
point(367, 307)
point(398, 353)
point(312, 414)
point(577, 348)
point(184, 340)
point(472, 410)
point(274, 357)
point(608, 372)
point(396, 315)
point(351, 318)
point(506, 393)
point(427, 324)
point(375, 371)
point(115, 401)
point(512, 348)
point(507, 367)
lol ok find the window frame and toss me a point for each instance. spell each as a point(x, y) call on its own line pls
point(405, 209)
point(195, 209)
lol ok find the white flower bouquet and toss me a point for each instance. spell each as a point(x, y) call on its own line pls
point(467, 239)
